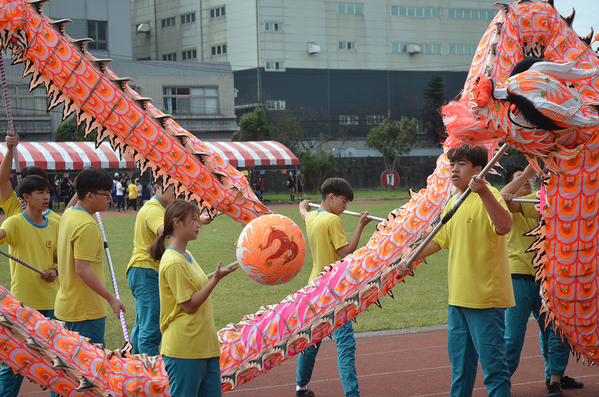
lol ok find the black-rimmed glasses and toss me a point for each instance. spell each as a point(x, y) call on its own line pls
point(102, 194)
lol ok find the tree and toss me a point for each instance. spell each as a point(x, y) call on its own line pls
point(68, 131)
point(393, 140)
point(253, 127)
point(434, 98)
point(317, 166)
point(286, 128)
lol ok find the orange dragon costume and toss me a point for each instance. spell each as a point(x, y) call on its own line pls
point(66, 363)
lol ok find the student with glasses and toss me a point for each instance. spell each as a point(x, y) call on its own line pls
point(81, 298)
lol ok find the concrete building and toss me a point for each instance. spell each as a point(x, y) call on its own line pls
point(200, 96)
point(358, 62)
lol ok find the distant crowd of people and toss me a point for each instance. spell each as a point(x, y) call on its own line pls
point(127, 192)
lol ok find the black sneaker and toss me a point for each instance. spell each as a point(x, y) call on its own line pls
point(568, 383)
point(555, 390)
point(306, 393)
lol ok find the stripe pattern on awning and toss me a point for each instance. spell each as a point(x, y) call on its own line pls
point(78, 155)
point(254, 153)
point(69, 155)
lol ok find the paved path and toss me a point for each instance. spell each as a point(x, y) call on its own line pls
point(409, 364)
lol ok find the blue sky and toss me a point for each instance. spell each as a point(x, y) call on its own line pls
point(586, 15)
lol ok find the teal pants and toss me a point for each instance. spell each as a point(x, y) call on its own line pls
point(475, 335)
point(10, 383)
point(555, 353)
point(146, 335)
point(346, 361)
point(93, 329)
point(193, 378)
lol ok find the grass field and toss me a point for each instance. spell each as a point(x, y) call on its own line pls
point(421, 301)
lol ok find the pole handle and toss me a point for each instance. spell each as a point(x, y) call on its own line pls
point(22, 262)
point(371, 217)
point(455, 207)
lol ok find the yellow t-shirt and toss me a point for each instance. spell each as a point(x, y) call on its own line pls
point(190, 336)
point(326, 235)
point(132, 191)
point(79, 237)
point(13, 206)
point(478, 267)
point(518, 243)
point(35, 245)
point(148, 221)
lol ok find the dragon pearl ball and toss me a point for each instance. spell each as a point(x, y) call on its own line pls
point(271, 249)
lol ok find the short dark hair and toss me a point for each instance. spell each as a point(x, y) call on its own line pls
point(34, 170)
point(477, 155)
point(509, 176)
point(92, 180)
point(337, 186)
point(32, 183)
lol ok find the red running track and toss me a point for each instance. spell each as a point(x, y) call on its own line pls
point(408, 364)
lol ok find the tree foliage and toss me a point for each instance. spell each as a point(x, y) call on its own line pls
point(68, 131)
point(393, 140)
point(434, 98)
point(317, 167)
point(303, 127)
point(286, 128)
point(253, 127)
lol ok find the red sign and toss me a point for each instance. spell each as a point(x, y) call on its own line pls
point(390, 179)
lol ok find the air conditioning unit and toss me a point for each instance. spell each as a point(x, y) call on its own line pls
point(143, 28)
point(313, 48)
point(414, 49)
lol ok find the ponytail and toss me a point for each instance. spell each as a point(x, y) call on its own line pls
point(157, 248)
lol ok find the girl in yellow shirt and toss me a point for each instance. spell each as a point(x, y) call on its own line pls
point(190, 347)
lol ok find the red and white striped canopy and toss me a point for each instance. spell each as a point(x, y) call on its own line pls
point(254, 153)
point(78, 155)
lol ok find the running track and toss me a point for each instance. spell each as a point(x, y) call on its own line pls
point(406, 364)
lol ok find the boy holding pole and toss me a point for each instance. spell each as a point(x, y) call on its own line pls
point(32, 237)
point(329, 244)
point(478, 275)
point(81, 298)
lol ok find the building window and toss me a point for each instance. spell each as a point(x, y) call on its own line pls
point(217, 12)
point(462, 49)
point(275, 105)
point(375, 120)
point(350, 8)
point(219, 49)
point(168, 22)
point(191, 100)
point(188, 18)
point(273, 27)
point(189, 54)
point(25, 103)
point(96, 30)
point(347, 45)
point(348, 120)
point(272, 65)
point(144, 59)
point(415, 12)
point(453, 13)
point(169, 57)
point(398, 48)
